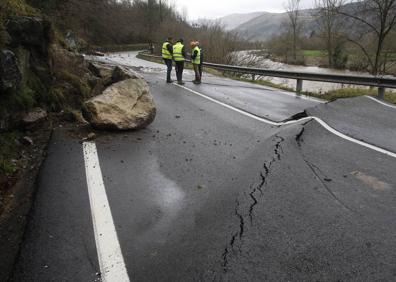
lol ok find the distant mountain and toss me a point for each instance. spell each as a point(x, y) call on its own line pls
point(267, 25)
point(261, 26)
point(232, 21)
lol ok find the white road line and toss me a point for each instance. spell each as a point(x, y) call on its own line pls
point(380, 102)
point(320, 121)
point(241, 111)
point(111, 261)
point(346, 137)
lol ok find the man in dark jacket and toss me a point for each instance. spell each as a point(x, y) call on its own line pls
point(167, 55)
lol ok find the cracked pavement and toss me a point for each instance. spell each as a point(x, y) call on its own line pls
point(208, 194)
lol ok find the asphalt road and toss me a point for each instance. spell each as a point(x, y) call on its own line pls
point(207, 193)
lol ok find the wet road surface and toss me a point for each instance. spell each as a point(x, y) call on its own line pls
point(206, 193)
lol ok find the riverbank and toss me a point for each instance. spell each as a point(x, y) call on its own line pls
point(258, 60)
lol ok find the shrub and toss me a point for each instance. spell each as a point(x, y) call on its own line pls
point(75, 81)
point(8, 151)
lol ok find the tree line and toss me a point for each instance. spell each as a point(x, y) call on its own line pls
point(112, 22)
point(364, 30)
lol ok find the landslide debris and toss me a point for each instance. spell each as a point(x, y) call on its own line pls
point(126, 104)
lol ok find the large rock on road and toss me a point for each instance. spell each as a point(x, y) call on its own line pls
point(125, 105)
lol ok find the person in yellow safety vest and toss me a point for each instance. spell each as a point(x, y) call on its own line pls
point(179, 56)
point(202, 60)
point(196, 61)
point(167, 55)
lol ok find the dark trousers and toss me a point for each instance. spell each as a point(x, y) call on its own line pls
point(179, 70)
point(200, 71)
point(197, 73)
point(168, 63)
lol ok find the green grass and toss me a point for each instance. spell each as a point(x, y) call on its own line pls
point(391, 56)
point(314, 53)
point(353, 92)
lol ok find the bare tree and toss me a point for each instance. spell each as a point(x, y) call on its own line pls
point(374, 19)
point(293, 10)
point(330, 25)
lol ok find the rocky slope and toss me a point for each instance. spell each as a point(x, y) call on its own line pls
point(43, 84)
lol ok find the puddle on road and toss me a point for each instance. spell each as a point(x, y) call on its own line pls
point(371, 181)
point(169, 199)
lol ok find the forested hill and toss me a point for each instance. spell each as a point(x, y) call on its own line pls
point(265, 25)
point(114, 22)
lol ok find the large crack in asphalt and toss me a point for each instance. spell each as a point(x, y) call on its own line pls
point(253, 201)
point(317, 172)
point(256, 192)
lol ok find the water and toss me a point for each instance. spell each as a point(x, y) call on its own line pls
point(251, 59)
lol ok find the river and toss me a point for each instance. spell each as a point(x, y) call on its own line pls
point(251, 59)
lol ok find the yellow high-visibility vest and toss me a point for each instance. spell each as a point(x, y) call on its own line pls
point(177, 52)
point(165, 52)
point(197, 59)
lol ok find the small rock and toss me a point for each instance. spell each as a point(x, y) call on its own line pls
point(98, 53)
point(79, 118)
point(328, 179)
point(27, 141)
point(37, 115)
point(177, 116)
point(90, 136)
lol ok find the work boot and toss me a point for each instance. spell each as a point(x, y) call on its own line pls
point(180, 83)
point(197, 82)
point(169, 81)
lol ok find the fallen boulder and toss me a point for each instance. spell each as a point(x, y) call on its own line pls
point(125, 105)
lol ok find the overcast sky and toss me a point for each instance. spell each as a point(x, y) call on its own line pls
point(217, 8)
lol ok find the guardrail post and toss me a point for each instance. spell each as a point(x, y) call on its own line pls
point(299, 86)
point(381, 93)
point(253, 77)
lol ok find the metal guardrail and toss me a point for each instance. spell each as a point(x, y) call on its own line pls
point(373, 81)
